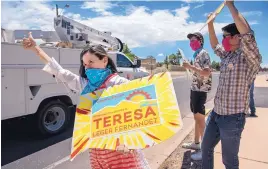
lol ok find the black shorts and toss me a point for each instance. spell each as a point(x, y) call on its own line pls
point(197, 102)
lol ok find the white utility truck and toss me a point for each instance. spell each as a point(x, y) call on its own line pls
point(27, 90)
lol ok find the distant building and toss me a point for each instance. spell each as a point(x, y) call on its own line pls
point(149, 63)
point(149, 60)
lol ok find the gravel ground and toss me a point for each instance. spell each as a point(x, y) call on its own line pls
point(181, 158)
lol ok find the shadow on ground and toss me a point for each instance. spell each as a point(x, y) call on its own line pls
point(188, 163)
point(20, 138)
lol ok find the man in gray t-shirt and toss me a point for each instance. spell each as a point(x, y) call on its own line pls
point(201, 84)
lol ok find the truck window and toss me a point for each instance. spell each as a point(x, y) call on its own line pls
point(63, 24)
point(122, 61)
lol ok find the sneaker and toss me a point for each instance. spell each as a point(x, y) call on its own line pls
point(197, 156)
point(192, 146)
point(253, 115)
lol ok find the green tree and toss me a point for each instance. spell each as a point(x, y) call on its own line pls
point(215, 65)
point(173, 59)
point(126, 49)
point(131, 56)
point(179, 56)
point(128, 52)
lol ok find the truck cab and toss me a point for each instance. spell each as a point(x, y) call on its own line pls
point(126, 67)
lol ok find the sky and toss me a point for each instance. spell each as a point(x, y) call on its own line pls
point(156, 28)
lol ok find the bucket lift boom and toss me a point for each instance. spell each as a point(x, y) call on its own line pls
point(81, 35)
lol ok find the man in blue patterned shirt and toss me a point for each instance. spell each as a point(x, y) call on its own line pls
point(201, 85)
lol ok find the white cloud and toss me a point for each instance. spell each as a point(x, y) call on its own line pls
point(129, 9)
point(249, 13)
point(74, 16)
point(198, 6)
point(139, 27)
point(160, 55)
point(183, 12)
point(24, 15)
point(206, 14)
point(252, 13)
point(253, 22)
point(192, 1)
point(99, 7)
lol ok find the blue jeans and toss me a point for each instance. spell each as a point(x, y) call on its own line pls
point(251, 99)
point(228, 129)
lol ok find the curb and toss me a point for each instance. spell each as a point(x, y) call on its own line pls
point(159, 153)
point(153, 155)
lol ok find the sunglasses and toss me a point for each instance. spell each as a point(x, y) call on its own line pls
point(229, 34)
point(226, 35)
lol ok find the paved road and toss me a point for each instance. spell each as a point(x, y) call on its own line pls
point(23, 148)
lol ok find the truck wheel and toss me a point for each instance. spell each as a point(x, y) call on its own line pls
point(53, 117)
point(121, 46)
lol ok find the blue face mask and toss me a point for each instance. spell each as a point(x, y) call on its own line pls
point(196, 52)
point(96, 77)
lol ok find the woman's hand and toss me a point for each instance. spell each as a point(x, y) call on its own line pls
point(29, 43)
point(123, 149)
point(211, 14)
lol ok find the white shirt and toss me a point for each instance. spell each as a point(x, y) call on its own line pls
point(74, 81)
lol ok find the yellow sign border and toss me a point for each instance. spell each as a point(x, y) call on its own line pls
point(136, 139)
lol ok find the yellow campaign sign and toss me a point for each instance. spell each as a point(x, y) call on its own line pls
point(138, 114)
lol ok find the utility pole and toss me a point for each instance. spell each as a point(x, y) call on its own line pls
point(57, 10)
point(151, 65)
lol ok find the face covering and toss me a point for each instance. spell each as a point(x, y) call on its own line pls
point(195, 44)
point(226, 44)
point(96, 77)
point(196, 52)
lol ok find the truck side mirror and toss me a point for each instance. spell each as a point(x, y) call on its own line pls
point(138, 63)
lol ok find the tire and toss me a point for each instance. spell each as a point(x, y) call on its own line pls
point(120, 44)
point(53, 117)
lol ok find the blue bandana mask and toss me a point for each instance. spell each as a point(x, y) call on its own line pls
point(196, 52)
point(96, 77)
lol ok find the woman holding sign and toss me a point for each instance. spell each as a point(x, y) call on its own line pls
point(97, 71)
